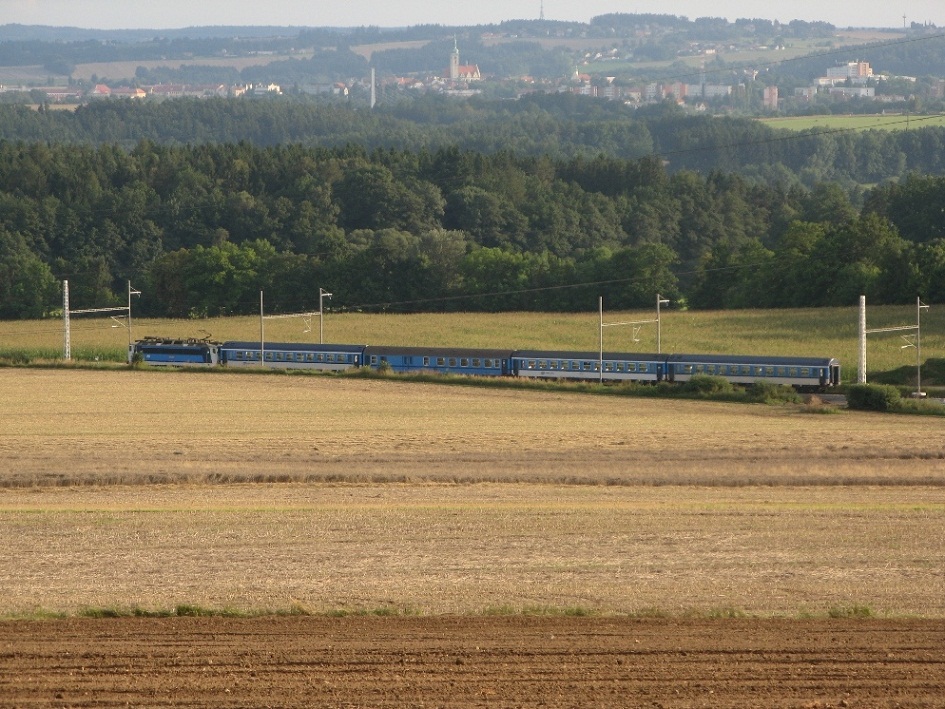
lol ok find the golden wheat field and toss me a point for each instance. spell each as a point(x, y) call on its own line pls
point(126, 489)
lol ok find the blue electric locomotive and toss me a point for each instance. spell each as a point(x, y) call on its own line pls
point(165, 352)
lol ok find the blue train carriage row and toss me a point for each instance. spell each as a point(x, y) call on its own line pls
point(801, 372)
point(440, 360)
point(286, 355)
point(617, 366)
point(170, 352)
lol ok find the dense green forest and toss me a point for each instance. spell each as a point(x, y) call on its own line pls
point(560, 126)
point(201, 228)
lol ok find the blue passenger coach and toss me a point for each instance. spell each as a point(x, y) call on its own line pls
point(166, 352)
point(440, 360)
point(618, 366)
point(290, 355)
point(741, 369)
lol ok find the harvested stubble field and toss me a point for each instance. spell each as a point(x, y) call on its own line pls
point(316, 494)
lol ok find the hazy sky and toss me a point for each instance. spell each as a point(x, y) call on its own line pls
point(126, 14)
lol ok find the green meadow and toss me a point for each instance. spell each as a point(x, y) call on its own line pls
point(804, 332)
point(888, 121)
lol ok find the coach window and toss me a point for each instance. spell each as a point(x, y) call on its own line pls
point(608, 366)
point(805, 372)
point(452, 361)
point(373, 359)
point(426, 361)
point(476, 363)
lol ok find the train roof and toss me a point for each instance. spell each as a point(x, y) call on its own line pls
point(291, 346)
point(149, 341)
point(755, 359)
point(389, 350)
point(573, 354)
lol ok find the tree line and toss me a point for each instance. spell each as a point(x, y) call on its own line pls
point(558, 126)
point(202, 228)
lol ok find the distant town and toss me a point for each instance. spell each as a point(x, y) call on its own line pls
point(753, 67)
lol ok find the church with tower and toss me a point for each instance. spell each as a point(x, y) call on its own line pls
point(462, 72)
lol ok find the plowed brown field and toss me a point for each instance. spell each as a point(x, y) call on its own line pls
point(470, 662)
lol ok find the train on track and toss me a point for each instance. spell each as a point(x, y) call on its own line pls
point(808, 373)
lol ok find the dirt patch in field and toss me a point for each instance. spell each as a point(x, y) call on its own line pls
point(465, 662)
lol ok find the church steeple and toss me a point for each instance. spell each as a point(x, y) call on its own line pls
point(454, 61)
